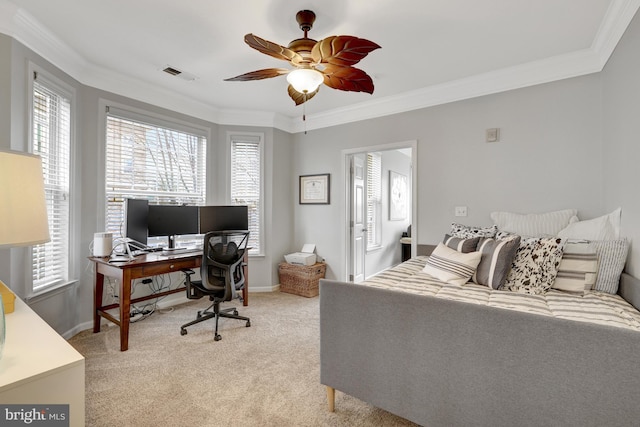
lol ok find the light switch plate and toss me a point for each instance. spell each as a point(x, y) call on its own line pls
point(460, 211)
point(493, 135)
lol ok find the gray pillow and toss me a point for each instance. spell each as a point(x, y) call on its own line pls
point(612, 255)
point(461, 245)
point(495, 264)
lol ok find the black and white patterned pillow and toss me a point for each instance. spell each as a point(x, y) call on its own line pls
point(466, 232)
point(535, 265)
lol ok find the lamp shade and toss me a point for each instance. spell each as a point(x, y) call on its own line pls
point(305, 80)
point(23, 208)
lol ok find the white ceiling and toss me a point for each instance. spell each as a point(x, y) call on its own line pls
point(433, 51)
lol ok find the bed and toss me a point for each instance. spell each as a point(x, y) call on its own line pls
point(441, 361)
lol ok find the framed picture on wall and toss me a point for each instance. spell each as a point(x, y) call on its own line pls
point(314, 189)
point(397, 196)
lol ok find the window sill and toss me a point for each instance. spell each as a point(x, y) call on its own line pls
point(49, 292)
point(374, 249)
point(256, 256)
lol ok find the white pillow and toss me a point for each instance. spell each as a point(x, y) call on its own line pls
point(534, 225)
point(451, 266)
point(605, 227)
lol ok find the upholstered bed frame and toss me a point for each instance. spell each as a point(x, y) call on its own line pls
point(441, 362)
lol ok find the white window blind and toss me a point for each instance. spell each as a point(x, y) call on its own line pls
point(162, 163)
point(51, 138)
point(246, 183)
point(374, 200)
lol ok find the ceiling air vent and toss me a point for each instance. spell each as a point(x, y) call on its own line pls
point(175, 72)
point(172, 71)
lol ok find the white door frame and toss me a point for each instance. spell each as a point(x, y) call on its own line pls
point(357, 217)
point(346, 183)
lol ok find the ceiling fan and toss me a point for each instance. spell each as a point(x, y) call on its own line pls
point(329, 61)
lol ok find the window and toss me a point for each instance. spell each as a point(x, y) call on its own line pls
point(246, 183)
point(374, 200)
point(51, 140)
point(151, 159)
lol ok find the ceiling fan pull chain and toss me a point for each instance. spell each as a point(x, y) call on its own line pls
point(304, 112)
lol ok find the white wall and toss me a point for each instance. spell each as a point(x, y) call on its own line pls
point(548, 158)
point(621, 137)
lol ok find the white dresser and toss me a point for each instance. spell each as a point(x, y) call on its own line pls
point(38, 366)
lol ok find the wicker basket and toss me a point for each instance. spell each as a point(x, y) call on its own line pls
point(301, 279)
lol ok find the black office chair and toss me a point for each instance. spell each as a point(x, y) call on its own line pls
point(221, 274)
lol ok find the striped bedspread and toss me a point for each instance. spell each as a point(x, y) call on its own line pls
point(594, 307)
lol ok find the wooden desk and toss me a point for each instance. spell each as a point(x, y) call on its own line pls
point(142, 266)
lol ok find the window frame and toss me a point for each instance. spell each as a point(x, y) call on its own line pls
point(66, 91)
point(125, 112)
point(376, 203)
point(260, 136)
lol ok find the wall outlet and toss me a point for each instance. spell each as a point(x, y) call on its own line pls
point(460, 211)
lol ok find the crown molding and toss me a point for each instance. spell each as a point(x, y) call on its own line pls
point(613, 26)
point(20, 25)
point(516, 77)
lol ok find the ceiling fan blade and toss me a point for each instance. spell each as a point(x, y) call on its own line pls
point(342, 50)
point(272, 49)
point(298, 97)
point(267, 73)
point(347, 78)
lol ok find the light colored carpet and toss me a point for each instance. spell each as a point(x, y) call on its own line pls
point(264, 375)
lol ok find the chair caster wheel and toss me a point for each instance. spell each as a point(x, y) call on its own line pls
point(217, 338)
point(235, 312)
point(248, 323)
point(199, 315)
point(183, 332)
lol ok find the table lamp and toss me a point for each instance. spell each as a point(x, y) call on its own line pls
point(23, 209)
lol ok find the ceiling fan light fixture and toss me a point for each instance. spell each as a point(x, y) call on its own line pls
point(330, 61)
point(305, 80)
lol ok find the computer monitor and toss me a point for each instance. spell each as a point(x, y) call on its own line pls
point(136, 213)
point(221, 218)
point(171, 220)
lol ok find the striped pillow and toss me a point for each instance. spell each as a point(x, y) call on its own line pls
point(495, 264)
point(534, 225)
point(461, 245)
point(612, 255)
point(578, 268)
point(451, 266)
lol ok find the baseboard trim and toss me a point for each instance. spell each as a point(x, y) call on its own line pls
point(173, 300)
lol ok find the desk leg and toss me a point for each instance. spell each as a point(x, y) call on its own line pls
point(97, 300)
point(125, 309)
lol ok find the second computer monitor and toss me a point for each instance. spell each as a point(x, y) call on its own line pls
point(221, 218)
point(171, 220)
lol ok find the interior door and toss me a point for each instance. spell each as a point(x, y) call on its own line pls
point(358, 211)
